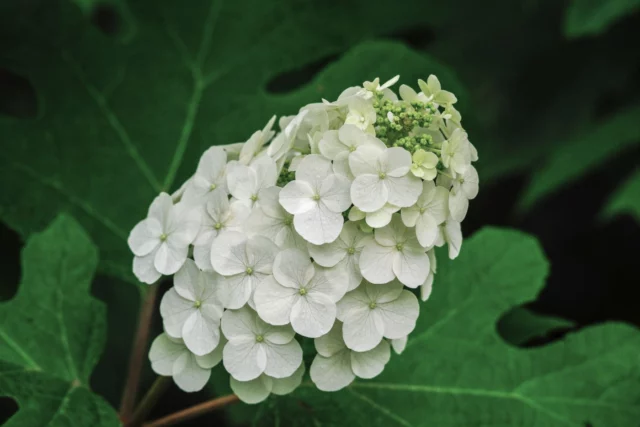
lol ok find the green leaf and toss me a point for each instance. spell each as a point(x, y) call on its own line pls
point(119, 122)
point(591, 17)
point(52, 333)
point(626, 200)
point(520, 325)
point(457, 371)
point(568, 161)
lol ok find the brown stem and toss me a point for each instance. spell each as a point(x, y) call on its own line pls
point(136, 360)
point(149, 401)
point(194, 411)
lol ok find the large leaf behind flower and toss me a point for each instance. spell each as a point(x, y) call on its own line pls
point(52, 333)
point(120, 120)
point(457, 371)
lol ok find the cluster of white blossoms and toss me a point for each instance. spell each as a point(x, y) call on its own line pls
point(315, 232)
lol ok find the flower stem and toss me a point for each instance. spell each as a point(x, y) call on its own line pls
point(149, 401)
point(194, 411)
point(130, 392)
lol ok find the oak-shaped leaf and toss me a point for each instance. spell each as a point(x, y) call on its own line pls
point(52, 333)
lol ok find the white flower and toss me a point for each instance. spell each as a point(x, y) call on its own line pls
point(191, 311)
point(399, 344)
point(219, 215)
point(381, 177)
point(256, 347)
point(372, 312)
point(161, 242)
point(300, 294)
point(395, 253)
point(343, 253)
point(336, 366)
point(272, 221)
point(381, 217)
point(257, 390)
point(429, 211)
point(427, 286)
point(283, 142)
point(244, 263)
point(424, 165)
point(456, 153)
point(170, 357)
point(433, 91)
point(452, 234)
point(361, 114)
point(409, 95)
point(338, 144)
point(254, 144)
point(211, 176)
point(465, 188)
point(245, 182)
point(375, 86)
point(316, 199)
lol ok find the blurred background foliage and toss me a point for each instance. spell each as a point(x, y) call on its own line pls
point(549, 91)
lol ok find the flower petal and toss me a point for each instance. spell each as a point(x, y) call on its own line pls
point(188, 375)
point(334, 193)
point(313, 315)
point(274, 301)
point(242, 181)
point(297, 197)
point(411, 267)
point(365, 160)
point(201, 334)
point(319, 225)
point(239, 324)
point(399, 316)
point(145, 236)
point(395, 161)
point(163, 354)
point(332, 373)
point(282, 386)
point(403, 191)
point(244, 360)
point(292, 268)
point(369, 193)
point(313, 169)
point(144, 270)
point(186, 280)
point(282, 359)
point(169, 259)
point(332, 342)
point(362, 332)
point(370, 364)
point(329, 254)
point(175, 310)
point(376, 263)
point(458, 205)
point(228, 254)
point(426, 230)
point(235, 291)
point(253, 391)
point(330, 145)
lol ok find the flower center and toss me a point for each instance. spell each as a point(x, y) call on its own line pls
point(400, 246)
point(422, 210)
point(218, 226)
point(259, 338)
point(197, 304)
point(163, 237)
point(249, 271)
point(382, 175)
point(352, 148)
point(254, 197)
point(372, 305)
point(316, 197)
point(212, 187)
point(288, 221)
point(351, 250)
point(302, 291)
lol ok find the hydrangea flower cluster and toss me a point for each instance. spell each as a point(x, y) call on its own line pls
point(325, 230)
